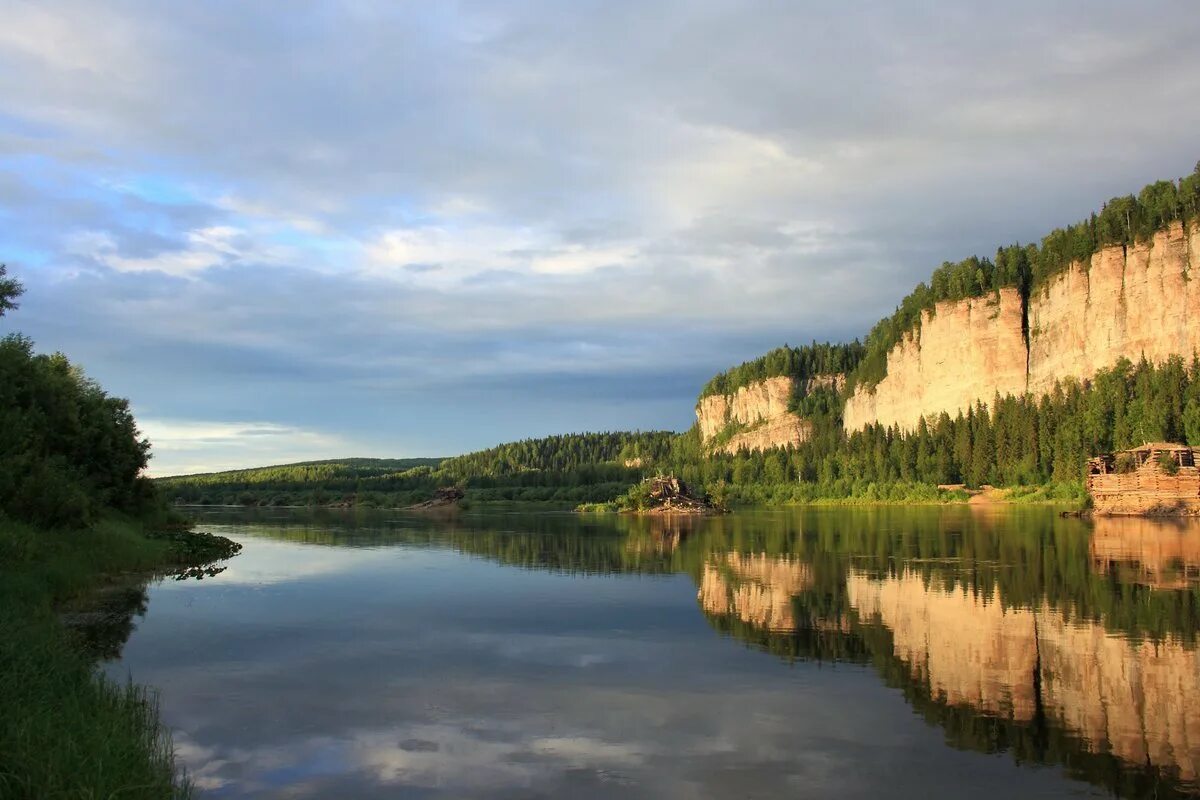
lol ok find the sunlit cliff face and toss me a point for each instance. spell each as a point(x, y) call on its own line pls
point(1132, 698)
point(1124, 302)
point(761, 414)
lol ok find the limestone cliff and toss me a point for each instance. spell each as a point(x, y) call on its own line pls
point(1123, 302)
point(758, 414)
point(962, 352)
point(1126, 302)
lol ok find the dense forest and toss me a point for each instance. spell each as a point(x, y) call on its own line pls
point(1122, 221)
point(561, 453)
point(1019, 441)
point(339, 472)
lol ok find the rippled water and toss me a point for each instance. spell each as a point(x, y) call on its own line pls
point(817, 653)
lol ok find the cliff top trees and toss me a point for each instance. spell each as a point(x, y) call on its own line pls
point(818, 358)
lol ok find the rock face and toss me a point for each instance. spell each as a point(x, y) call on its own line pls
point(1124, 302)
point(762, 409)
point(962, 352)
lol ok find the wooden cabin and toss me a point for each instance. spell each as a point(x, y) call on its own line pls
point(1156, 478)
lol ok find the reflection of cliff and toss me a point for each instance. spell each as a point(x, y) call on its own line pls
point(969, 648)
point(1128, 698)
point(758, 589)
point(1159, 553)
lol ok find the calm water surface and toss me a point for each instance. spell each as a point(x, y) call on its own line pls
point(841, 653)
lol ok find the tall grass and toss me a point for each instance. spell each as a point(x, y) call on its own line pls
point(66, 731)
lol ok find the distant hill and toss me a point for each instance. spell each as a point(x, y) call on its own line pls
point(578, 467)
point(307, 471)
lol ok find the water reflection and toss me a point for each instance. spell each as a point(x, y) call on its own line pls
point(1161, 553)
point(1008, 631)
point(965, 639)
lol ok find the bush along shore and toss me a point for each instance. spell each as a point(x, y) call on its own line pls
point(77, 513)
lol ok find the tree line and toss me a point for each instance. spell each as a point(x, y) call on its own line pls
point(570, 468)
point(800, 363)
point(1012, 441)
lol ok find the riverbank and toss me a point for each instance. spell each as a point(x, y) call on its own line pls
point(67, 731)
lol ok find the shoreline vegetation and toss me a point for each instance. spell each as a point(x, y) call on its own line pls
point(68, 731)
point(77, 514)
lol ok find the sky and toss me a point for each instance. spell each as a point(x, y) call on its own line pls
point(322, 229)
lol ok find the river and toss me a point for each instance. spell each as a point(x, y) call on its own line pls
point(885, 652)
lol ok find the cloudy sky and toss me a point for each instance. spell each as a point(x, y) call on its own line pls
point(317, 229)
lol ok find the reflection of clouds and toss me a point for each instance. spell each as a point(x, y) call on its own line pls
point(461, 756)
point(492, 738)
point(383, 677)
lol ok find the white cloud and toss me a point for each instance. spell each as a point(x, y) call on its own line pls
point(186, 446)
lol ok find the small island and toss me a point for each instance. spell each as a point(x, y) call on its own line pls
point(662, 495)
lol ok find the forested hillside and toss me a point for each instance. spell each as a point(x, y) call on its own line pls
point(1019, 441)
point(569, 468)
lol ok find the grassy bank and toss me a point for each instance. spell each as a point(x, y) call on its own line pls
point(866, 494)
point(65, 731)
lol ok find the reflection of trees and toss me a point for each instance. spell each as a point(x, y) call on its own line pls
point(103, 621)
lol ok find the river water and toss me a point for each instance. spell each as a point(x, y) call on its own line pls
point(939, 652)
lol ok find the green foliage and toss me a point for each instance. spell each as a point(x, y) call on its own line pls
point(636, 499)
point(66, 732)
point(1122, 221)
point(563, 453)
point(718, 494)
point(67, 450)
point(795, 362)
point(1168, 464)
point(328, 472)
point(10, 290)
